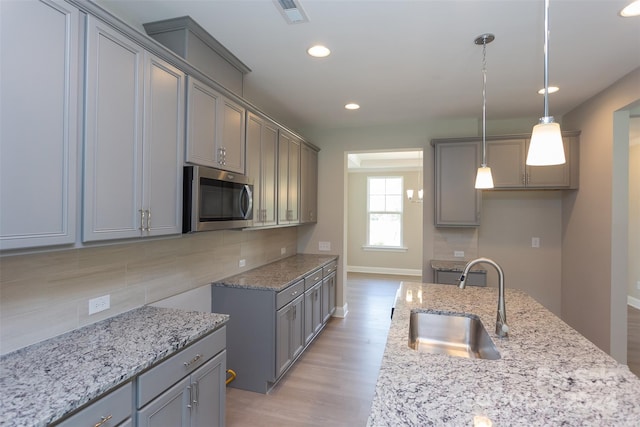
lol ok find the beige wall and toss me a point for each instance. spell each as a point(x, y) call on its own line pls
point(634, 221)
point(509, 220)
point(537, 272)
point(593, 301)
point(393, 262)
point(46, 294)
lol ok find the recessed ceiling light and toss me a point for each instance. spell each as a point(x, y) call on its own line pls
point(352, 106)
point(552, 89)
point(632, 9)
point(318, 51)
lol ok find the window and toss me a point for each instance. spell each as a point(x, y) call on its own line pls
point(384, 211)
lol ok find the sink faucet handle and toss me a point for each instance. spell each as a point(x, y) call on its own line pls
point(463, 278)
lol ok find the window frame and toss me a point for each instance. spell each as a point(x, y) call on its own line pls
point(368, 245)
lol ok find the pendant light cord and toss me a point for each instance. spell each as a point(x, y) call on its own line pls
point(546, 58)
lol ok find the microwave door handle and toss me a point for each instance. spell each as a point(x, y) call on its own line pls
point(246, 199)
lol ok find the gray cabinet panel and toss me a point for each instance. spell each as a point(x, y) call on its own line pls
point(168, 409)
point(113, 408)
point(308, 184)
point(288, 178)
point(453, 278)
point(261, 165)
point(457, 201)
point(38, 165)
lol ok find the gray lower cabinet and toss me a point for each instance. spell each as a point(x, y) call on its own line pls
point(289, 334)
point(269, 330)
point(474, 278)
point(195, 401)
point(112, 409)
point(187, 389)
point(328, 297)
point(312, 312)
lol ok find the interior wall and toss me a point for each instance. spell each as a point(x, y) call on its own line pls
point(46, 294)
point(634, 223)
point(406, 262)
point(588, 225)
point(509, 220)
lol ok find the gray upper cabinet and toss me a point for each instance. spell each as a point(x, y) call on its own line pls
point(262, 167)
point(133, 139)
point(457, 202)
point(215, 129)
point(40, 85)
point(288, 178)
point(308, 184)
point(507, 158)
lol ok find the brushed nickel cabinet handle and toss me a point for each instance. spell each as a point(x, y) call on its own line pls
point(103, 420)
point(192, 361)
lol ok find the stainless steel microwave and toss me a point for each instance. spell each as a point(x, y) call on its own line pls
point(216, 200)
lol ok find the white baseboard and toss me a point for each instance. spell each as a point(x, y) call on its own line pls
point(384, 270)
point(633, 302)
point(341, 311)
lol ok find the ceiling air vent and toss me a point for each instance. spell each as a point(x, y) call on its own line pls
point(291, 11)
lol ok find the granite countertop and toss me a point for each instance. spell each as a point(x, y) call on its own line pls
point(457, 266)
point(277, 275)
point(548, 374)
point(45, 381)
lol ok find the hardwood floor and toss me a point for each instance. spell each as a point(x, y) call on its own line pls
point(333, 382)
point(633, 345)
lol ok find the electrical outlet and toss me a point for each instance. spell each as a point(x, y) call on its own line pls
point(638, 285)
point(535, 242)
point(458, 254)
point(324, 246)
point(283, 251)
point(96, 305)
point(242, 263)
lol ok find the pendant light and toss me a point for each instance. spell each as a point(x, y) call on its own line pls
point(546, 146)
point(420, 191)
point(484, 178)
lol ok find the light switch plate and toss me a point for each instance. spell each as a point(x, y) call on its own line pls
point(242, 263)
point(458, 254)
point(324, 246)
point(283, 251)
point(535, 242)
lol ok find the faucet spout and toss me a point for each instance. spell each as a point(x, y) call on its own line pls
point(502, 330)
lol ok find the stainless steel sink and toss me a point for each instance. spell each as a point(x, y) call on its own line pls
point(452, 334)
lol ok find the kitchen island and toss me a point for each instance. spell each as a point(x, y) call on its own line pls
point(548, 373)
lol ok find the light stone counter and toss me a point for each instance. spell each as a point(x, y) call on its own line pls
point(277, 275)
point(45, 381)
point(548, 374)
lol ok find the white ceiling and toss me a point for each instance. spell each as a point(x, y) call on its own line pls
point(410, 61)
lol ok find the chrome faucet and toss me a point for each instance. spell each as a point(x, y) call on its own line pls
point(502, 330)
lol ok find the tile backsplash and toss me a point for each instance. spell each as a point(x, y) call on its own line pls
point(46, 294)
point(448, 240)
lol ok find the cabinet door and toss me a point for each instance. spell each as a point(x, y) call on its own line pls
point(457, 201)
point(328, 296)
point(297, 327)
point(506, 158)
point(283, 339)
point(171, 408)
point(113, 140)
point(261, 164)
point(208, 389)
point(555, 176)
point(308, 184)
point(163, 147)
point(39, 81)
point(231, 140)
point(202, 126)
point(288, 178)
point(309, 297)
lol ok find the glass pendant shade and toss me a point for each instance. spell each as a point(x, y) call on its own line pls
point(546, 148)
point(484, 178)
point(420, 194)
point(410, 194)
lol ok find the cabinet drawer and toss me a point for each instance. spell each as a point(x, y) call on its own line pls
point(111, 409)
point(312, 279)
point(167, 373)
point(286, 296)
point(329, 268)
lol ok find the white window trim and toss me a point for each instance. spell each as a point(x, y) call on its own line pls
point(400, 247)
